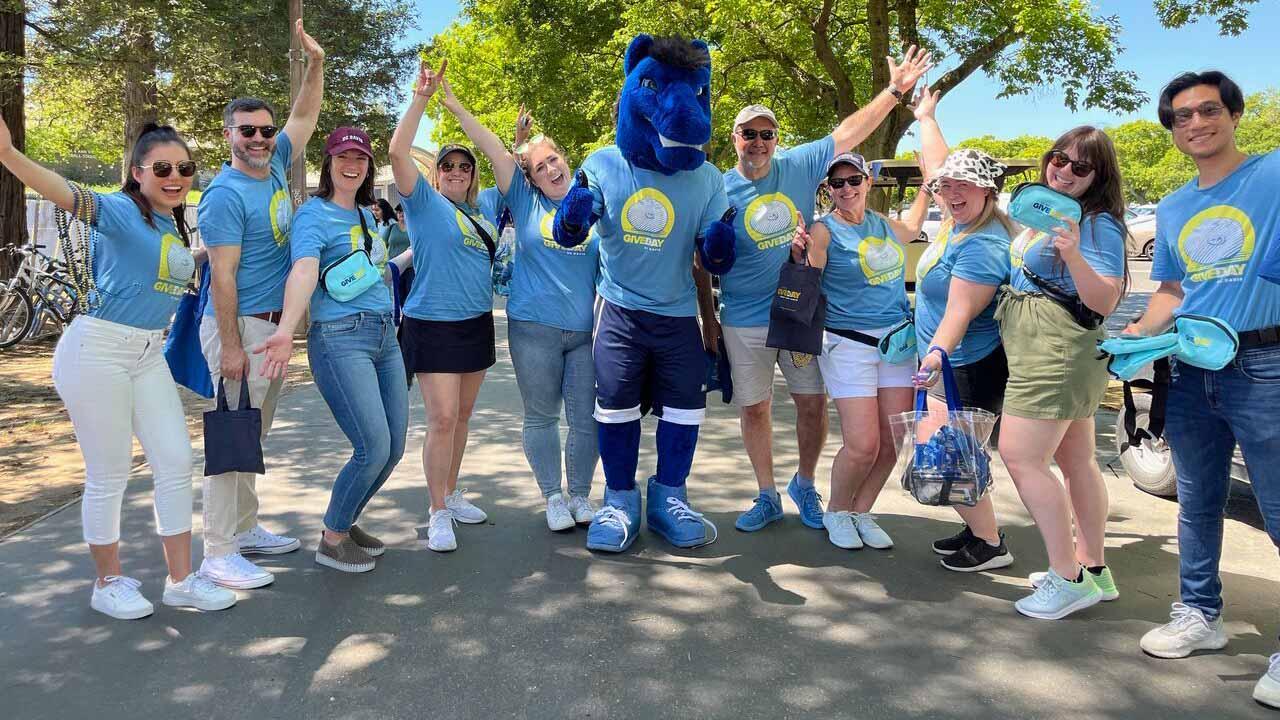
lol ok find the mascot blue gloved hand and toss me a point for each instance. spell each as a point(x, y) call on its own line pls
point(717, 250)
point(574, 218)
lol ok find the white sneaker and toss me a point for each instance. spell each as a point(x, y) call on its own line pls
point(233, 571)
point(120, 598)
point(462, 509)
point(440, 535)
point(841, 531)
point(261, 541)
point(1188, 631)
point(872, 534)
point(196, 591)
point(582, 509)
point(1267, 691)
point(559, 517)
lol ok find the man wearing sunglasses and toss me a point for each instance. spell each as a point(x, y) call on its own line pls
point(1212, 236)
point(244, 218)
point(770, 190)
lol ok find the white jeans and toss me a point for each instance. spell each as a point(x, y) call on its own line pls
point(231, 499)
point(116, 384)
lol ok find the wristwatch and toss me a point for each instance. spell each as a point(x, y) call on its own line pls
point(895, 92)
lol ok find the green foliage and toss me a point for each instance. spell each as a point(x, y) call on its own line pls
point(1232, 16)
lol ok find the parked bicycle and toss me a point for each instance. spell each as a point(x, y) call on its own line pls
point(39, 299)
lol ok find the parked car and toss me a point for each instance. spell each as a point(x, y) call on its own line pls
point(1141, 242)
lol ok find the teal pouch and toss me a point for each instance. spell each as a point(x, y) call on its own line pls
point(1198, 340)
point(899, 344)
point(349, 276)
point(1036, 205)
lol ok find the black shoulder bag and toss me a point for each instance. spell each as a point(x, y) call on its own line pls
point(484, 234)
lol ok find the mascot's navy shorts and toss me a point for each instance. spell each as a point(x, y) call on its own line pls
point(638, 352)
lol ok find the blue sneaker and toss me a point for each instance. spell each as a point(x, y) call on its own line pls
point(669, 515)
point(808, 501)
point(617, 523)
point(764, 511)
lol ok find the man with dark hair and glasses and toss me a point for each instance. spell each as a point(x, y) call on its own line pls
point(1212, 236)
point(244, 218)
point(769, 191)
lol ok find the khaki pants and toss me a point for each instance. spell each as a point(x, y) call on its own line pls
point(230, 499)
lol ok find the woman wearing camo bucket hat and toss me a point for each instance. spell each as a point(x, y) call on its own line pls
point(956, 283)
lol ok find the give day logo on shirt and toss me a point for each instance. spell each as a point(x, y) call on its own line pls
point(548, 240)
point(770, 220)
point(1022, 245)
point(378, 250)
point(647, 219)
point(281, 212)
point(881, 259)
point(470, 237)
point(1216, 244)
point(176, 266)
point(933, 253)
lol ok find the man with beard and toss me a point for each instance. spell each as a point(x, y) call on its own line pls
point(244, 218)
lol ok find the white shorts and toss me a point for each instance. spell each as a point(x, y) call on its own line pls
point(751, 365)
point(854, 369)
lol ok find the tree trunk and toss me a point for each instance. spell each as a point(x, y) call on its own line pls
point(139, 101)
point(13, 50)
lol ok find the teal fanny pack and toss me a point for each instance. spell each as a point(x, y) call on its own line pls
point(1198, 340)
point(899, 344)
point(349, 276)
point(1036, 205)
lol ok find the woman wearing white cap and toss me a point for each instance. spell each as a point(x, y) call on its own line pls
point(956, 283)
point(338, 259)
point(862, 256)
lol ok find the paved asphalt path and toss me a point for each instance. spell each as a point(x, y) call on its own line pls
point(520, 622)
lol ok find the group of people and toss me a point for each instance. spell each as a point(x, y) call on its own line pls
point(611, 270)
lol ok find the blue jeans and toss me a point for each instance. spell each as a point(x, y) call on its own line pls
point(357, 366)
point(554, 365)
point(1208, 413)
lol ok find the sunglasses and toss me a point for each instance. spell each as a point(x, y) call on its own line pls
point(1208, 111)
point(448, 166)
point(748, 134)
point(523, 147)
point(163, 168)
point(248, 131)
point(851, 181)
point(1079, 168)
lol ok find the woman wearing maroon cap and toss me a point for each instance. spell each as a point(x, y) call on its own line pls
point(338, 259)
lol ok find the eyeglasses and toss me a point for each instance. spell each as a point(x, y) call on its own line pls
point(1079, 168)
point(851, 181)
point(748, 134)
point(164, 168)
point(248, 131)
point(1208, 111)
point(448, 166)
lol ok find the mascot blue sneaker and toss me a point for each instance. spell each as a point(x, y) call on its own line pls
point(668, 513)
point(616, 525)
point(658, 208)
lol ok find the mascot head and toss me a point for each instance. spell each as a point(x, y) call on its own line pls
point(664, 111)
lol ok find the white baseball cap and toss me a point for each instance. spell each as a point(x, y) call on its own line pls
point(751, 112)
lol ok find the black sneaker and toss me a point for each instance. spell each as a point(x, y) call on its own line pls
point(978, 555)
point(949, 545)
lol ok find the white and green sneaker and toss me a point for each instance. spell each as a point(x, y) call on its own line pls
point(1105, 582)
point(1056, 598)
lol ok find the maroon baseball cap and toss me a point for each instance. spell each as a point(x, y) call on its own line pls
point(348, 138)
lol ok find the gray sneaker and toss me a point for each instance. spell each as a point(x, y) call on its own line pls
point(1055, 598)
point(367, 542)
point(1188, 630)
point(346, 556)
point(1267, 691)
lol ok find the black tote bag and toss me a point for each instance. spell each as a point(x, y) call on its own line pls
point(799, 312)
point(233, 438)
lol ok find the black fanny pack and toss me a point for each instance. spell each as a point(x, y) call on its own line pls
point(1075, 307)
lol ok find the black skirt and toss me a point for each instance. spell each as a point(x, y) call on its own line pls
point(435, 346)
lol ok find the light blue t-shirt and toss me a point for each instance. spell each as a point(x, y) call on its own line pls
point(981, 257)
point(550, 284)
point(326, 231)
point(451, 269)
point(491, 204)
point(765, 224)
point(256, 215)
point(648, 227)
point(141, 271)
point(1214, 241)
point(864, 279)
point(1101, 246)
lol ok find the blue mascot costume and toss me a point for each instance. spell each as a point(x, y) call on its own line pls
point(655, 201)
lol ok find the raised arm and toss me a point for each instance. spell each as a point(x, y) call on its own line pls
point(908, 228)
point(403, 168)
point(933, 147)
point(49, 184)
point(306, 109)
point(503, 164)
point(902, 78)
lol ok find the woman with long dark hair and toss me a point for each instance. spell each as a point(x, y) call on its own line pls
point(383, 215)
point(351, 345)
point(1056, 379)
point(109, 366)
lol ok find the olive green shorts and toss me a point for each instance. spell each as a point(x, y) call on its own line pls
point(1054, 369)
